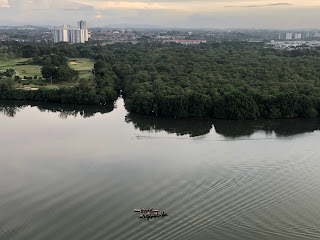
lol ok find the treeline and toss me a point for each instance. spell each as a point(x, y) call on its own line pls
point(221, 80)
point(72, 95)
point(41, 52)
point(230, 105)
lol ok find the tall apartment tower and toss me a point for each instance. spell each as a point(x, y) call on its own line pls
point(72, 35)
point(288, 36)
point(82, 25)
point(297, 35)
point(83, 30)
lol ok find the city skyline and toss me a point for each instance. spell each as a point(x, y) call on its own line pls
point(263, 14)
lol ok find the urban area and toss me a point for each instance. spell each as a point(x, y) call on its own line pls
point(103, 36)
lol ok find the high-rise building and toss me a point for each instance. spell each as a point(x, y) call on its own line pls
point(288, 36)
point(72, 35)
point(297, 35)
point(82, 25)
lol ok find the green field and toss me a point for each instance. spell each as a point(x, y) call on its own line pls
point(83, 65)
point(23, 70)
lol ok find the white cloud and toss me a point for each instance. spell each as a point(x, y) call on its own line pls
point(45, 4)
point(199, 5)
point(4, 4)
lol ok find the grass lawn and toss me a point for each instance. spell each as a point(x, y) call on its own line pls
point(23, 70)
point(83, 65)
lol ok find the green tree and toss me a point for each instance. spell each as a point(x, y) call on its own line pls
point(10, 73)
point(49, 72)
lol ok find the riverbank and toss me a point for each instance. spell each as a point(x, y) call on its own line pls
point(71, 95)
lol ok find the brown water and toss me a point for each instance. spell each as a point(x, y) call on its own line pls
point(71, 172)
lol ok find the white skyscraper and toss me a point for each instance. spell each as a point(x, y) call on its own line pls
point(297, 35)
point(64, 34)
point(288, 36)
point(82, 25)
point(72, 35)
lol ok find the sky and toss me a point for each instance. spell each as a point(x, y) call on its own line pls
point(213, 14)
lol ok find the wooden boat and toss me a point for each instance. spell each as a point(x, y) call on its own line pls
point(146, 210)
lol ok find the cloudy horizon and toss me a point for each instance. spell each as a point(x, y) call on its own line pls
point(256, 14)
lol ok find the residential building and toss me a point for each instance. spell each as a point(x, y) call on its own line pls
point(288, 36)
point(72, 35)
point(297, 35)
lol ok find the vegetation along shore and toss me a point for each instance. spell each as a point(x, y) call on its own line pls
point(227, 80)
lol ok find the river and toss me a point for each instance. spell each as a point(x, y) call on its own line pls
point(77, 173)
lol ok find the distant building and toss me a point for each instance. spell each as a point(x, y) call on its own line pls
point(288, 36)
point(185, 42)
point(317, 34)
point(72, 35)
point(297, 36)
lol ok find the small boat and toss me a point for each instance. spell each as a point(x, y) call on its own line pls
point(146, 210)
point(149, 213)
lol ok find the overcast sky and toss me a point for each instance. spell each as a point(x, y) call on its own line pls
point(286, 14)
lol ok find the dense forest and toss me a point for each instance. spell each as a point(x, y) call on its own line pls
point(221, 80)
point(228, 80)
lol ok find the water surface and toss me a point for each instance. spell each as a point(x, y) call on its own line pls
point(77, 172)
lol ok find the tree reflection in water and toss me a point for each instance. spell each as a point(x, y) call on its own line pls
point(227, 128)
point(281, 127)
point(11, 108)
point(180, 126)
point(183, 126)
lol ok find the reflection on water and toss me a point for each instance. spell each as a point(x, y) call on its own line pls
point(192, 126)
point(228, 128)
point(281, 127)
point(184, 126)
point(11, 108)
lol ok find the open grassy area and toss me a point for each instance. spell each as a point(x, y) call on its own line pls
point(83, 65)
point(23, 70)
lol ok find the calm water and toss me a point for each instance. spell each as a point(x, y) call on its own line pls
point(78, 172)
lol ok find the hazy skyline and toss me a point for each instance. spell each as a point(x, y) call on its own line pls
point(290, 14)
